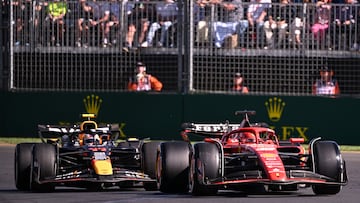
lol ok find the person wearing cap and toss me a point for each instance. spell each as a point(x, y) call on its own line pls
point(144, 81)
point(326, 85)
point(238, 84)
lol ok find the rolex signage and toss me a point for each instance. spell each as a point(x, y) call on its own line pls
point(275, 108)
point(159, 116)
point(92, 104)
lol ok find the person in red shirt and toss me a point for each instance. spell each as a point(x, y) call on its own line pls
point(144, 81)
point(326, 85)
point(238, 84)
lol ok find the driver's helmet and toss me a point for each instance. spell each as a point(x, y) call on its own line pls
point(90, 139)
point(86, 127)
point(234, 138)
point(247, 137)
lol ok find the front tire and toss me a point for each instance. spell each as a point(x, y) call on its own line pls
point(23, 158)
point(328, 162)
point(206, 164)
point(149, 151)
point(43, 166)
point(172, 167)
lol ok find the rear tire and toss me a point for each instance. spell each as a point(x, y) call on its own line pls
point(207, 165)
point(23, 158)
point(326, 161)
point(43, 167)
point(148, 152)
point(172, 167)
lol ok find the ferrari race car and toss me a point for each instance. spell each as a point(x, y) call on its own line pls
point(247, 157)
point(85, 155)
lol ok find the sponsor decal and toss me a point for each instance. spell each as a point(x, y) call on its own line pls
point(268, 155)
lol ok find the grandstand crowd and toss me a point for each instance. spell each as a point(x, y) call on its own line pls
point(130, 24)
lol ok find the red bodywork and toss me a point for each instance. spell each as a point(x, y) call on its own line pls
point(233, 156)
point(265, 146)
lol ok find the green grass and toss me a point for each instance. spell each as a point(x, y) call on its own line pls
point(349, 148)
point(16, 140)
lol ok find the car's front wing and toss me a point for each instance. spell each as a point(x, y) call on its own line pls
point(119, 175)
point(293, 177)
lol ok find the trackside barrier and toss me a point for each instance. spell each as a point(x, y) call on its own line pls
point(159, 116)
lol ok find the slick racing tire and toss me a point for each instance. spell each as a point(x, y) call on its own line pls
point(206, 164)
point(148, 162)
point(43, 166)
point(172, 167)
point(23, 158)
point(326, 161)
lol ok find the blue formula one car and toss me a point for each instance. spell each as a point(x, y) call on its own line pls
point(86, 155)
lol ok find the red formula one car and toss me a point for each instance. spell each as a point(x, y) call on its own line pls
point(88, 155)
point(247, 157)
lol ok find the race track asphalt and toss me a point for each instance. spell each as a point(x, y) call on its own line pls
point(9, 194)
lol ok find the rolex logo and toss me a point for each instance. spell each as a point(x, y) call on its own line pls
point(275, 107)
point(92, 104)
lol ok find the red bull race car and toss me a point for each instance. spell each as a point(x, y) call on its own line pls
point(247, 157)
point(87, 155)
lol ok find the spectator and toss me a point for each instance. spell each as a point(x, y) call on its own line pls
point(148, 14)
point(139, 17)
point(40, 13)
point(104, 18)
point(231, 22)
point(88, 11)
point(113, 22)
point(130, 9)
point(256, 14)
point(322, 19)
point(326, 85)
point(92, 20)
point(238, 84)
point(343, 33)
point(22, 23)
point(167, 12)
point(85, 13)
point(201, 21)
point(56, 11)
point(281, 20)
point(143, 81)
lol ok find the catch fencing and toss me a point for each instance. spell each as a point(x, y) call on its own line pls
point(47, 56)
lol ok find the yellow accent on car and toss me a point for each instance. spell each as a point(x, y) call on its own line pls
point(88, 125)
point(102, 167)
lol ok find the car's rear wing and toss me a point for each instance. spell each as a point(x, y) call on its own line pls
point(56, 131)
point(208, 129)
point(218, 130)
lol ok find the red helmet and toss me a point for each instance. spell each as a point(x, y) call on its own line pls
point(248, 137)
point(233, 138)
